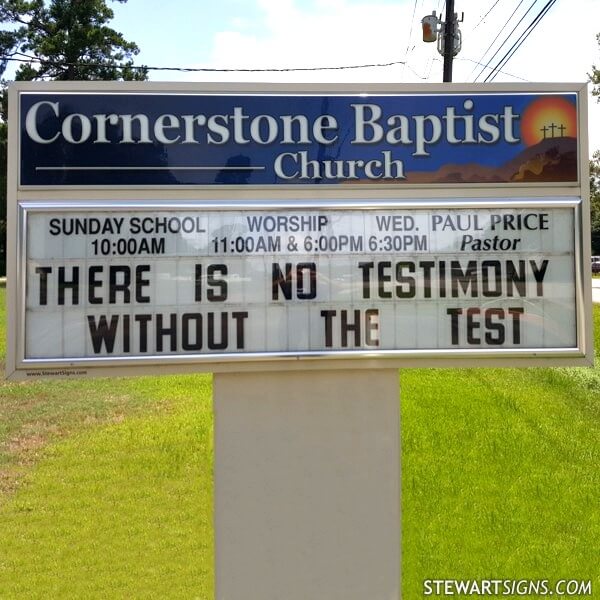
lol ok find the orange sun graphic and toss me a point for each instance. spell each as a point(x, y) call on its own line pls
point(548, 117)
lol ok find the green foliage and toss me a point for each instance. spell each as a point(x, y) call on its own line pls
point(595, 75)
point(3, 161)
point(66, 40)
point(595, 201)
point(595, 172)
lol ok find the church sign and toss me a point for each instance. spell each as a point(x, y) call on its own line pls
point(223, 227)
point(125, 139)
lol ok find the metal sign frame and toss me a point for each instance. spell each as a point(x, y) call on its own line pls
point(25, 200)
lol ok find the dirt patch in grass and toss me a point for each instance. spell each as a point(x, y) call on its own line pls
point(19, 453)
point(26, 446)
point(35, 414)
point(9, 482)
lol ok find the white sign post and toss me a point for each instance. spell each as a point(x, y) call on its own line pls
point(301, 243)
point(307, 485)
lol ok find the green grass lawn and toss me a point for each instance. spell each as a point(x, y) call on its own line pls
point(107, 484)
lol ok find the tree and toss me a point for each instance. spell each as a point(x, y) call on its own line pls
point(595, 202)
point(3, 161)
point(66, 40)
point(595, 172)
point(59, 40)
point(595, 75)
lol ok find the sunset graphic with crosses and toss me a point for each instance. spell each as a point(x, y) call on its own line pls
point(548, 117)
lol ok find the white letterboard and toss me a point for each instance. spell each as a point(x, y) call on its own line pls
point(281, 282)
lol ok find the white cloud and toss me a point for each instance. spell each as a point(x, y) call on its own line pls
point(334, 33)
point(295, 33)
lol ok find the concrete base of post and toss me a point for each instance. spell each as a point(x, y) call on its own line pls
point(307, 485)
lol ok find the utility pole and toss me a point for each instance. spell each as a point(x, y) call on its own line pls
point(448, 40)
point(446, 33)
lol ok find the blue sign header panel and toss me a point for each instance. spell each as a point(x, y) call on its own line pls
point(135, 139)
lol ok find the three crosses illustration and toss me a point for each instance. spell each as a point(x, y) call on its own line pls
point(552, 128)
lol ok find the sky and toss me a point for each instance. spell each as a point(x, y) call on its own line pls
point(264, 34)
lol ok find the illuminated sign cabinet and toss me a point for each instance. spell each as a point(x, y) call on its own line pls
point(234, 227)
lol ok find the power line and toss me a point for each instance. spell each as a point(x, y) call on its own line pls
point(477, 63)
point(31, 59)
point(507, 37)
point(486, 14)
point(492, 75)
point(494, 41)
point(412, 22)
point(206, 69)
